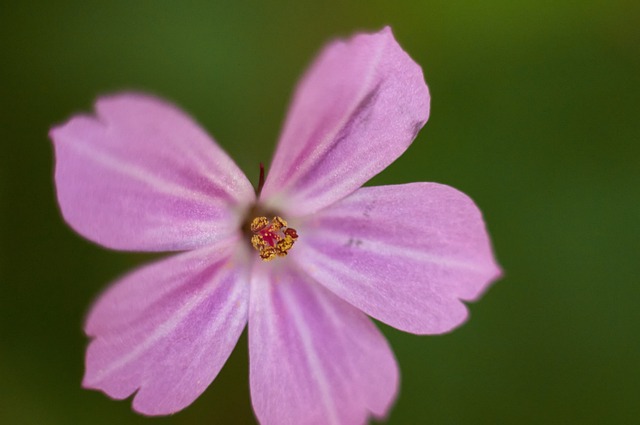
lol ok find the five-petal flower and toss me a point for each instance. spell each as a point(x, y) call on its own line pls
point(141, 175)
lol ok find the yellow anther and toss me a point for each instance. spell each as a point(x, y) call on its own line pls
point(272, 238)
point(259, 223)
point(268, 253)
point(278, 223)
point(257, 242)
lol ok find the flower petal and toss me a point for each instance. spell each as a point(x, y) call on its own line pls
point(356, 110)
point(142, 175)
point(403, 254)
point(167, 329)
point(314, 358)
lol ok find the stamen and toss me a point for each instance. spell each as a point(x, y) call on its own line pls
point(272, 238)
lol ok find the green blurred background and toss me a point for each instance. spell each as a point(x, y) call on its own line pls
point(535, 114)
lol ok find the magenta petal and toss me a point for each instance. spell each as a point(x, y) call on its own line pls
point(141, 175)
point(314, 358)
point(357, 109)
point(166, 330)
point(403, 254)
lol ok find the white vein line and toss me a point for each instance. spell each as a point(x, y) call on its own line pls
point(214, 328)
point(336, 313)
point(139, 174)
point(314, 361)
point(165, 328)
point(379, 248)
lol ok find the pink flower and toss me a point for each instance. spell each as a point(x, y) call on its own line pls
point(142, 176)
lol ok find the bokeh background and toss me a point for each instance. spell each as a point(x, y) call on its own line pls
point(535, 114)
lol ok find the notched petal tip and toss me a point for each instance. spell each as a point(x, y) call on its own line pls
point(472, 297)
point(140, 153)
point(97, 115)
point(494, 273)
point(408, 255)
point(164, 331)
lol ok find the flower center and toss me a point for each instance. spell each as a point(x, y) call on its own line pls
point(272, 238)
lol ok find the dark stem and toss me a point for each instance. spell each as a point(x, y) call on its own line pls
point(261, 181)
